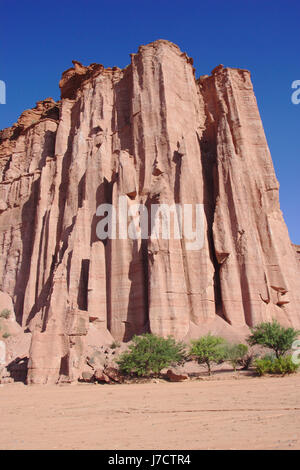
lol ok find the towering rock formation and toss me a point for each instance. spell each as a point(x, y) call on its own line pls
point(153, 134)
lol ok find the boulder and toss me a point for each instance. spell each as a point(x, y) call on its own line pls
point(174, 376)
point(100, 376)
point(113, 374)
point(87, 376)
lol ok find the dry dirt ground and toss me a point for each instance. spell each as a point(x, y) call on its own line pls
point(244, 413)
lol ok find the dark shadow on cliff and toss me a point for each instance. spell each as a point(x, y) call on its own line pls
point(43, 299)
point(82, 296)
point(103, 195)
point(121, 120)
point(208, 152)
point(137, 321)
point(28, 228)
point(27, 237)
point(18, 369)
point(48, 148)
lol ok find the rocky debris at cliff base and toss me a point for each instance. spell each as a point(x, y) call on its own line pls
point(87, 376)
point(101, 363)
point(17, 355)
point(100, 376)
point(5, 377)
point(14, 343)
point(113, 374)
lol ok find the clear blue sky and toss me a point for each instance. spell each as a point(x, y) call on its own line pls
point(40, 38)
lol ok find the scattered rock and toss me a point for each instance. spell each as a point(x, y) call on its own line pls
point(114, 374)
point(87, 376)
point(5, 377)
point(100, 376)
point(174, 376)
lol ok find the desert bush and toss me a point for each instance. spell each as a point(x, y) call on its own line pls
point(6, 335)
point(263, 365)
point(208, 350)
point(270, 364)
point(284, 365)
point(5, 313)
point(235, 354)
point(273, 336)
point(149, 354)
point(115, 345)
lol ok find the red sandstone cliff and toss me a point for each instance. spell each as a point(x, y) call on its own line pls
point(155, 134)
point(297, 250)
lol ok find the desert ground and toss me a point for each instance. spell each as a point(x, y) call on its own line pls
point(236, 413)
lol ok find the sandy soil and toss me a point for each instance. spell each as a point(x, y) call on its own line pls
point(245, 413)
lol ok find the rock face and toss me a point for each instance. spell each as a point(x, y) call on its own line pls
point(297, 250)
point(153, 134)
point(2, 353)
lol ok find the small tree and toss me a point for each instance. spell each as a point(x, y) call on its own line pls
point(208, 350)
point(273, 336)
point(235, 353)
point(149, 354)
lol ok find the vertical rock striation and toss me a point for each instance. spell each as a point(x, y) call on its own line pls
point(258, 274)
point(146, 135)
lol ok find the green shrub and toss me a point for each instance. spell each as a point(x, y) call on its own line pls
point(284, 365)
point(273, 336)
point(208, 350)
point(263, 365)
point(275, 365)
point(149, 354)
point(5, 313)
point(235, 353)
point(115, 345)
point(270, 356)
point(6, 335)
